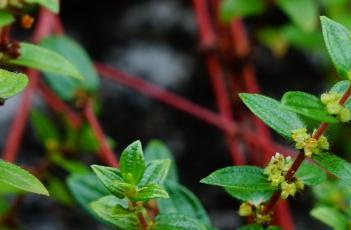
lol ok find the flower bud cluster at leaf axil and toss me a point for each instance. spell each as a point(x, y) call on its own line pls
point(276, 171)
point(249, 210)
point(310, 145)
point(331, 101)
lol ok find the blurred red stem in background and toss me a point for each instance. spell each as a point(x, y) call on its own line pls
point(14, 139)
point(58, 105)
point(166, 97)
point(106, 153)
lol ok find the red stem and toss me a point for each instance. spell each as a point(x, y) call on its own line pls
point(58, 105)
point(207, 35)
point(17, 127)
point(223, 103)
point(12, 144)
point(166, 97)
point(106, 153)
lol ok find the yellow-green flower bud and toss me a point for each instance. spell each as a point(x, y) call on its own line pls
point(334, 107)
point(345, 115)
point(263, 219)
point(323, 143)
point(330, 97)
point(299, 184)
point(276, 179)
point(299, 135)
point(287, 189)
point(245, 209)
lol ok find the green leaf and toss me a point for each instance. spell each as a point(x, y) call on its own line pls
point(110, 209)
point(6, 18)
point(43, 59)
point(304, 13)
point(132, 163)
point(311, 174)
point(338, 42)
point(233, 8)
point(240, 181)
point(11, 83)
point(148, 192)
point(86, 188)
point(253, 197)
point(111, 179)
point(43, 127)
point(52, 5)
point(58, 191)
point(177, 222)
point(272, 113)
point(341, 87)
point(307, 105)
point(67, 88)
point(15, 176)
point(331, 217)
point(182, 200)
point(335, 165)
point(155, 172)
point(156, 150)
point(70, 166)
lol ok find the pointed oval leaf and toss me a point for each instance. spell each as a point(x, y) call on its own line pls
point(111, 179)
point(304, 13)
point(234, 8)
point(243, 178)
point(132, 163)
point(338, 42)
point(43, 59)
point(272, 113)
point(66, 88)
point(148, 192)
point(311, 174)
point(109, 209)
point(86, 188)
point(335, 165)
point(307, 105)
point(52, 5)
point(182, 200)
point(15, 176)
point(6, 18)
point(157, 150)
point(177, 222)
point(331, 217)
point(11, 83)
point(341, 87)
point(155, 172)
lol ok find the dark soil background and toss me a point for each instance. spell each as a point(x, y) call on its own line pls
point(157, 41)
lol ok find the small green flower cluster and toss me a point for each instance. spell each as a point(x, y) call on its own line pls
point(309, 144)
point(249, 210)
point(331, 101)
point(276, 171)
